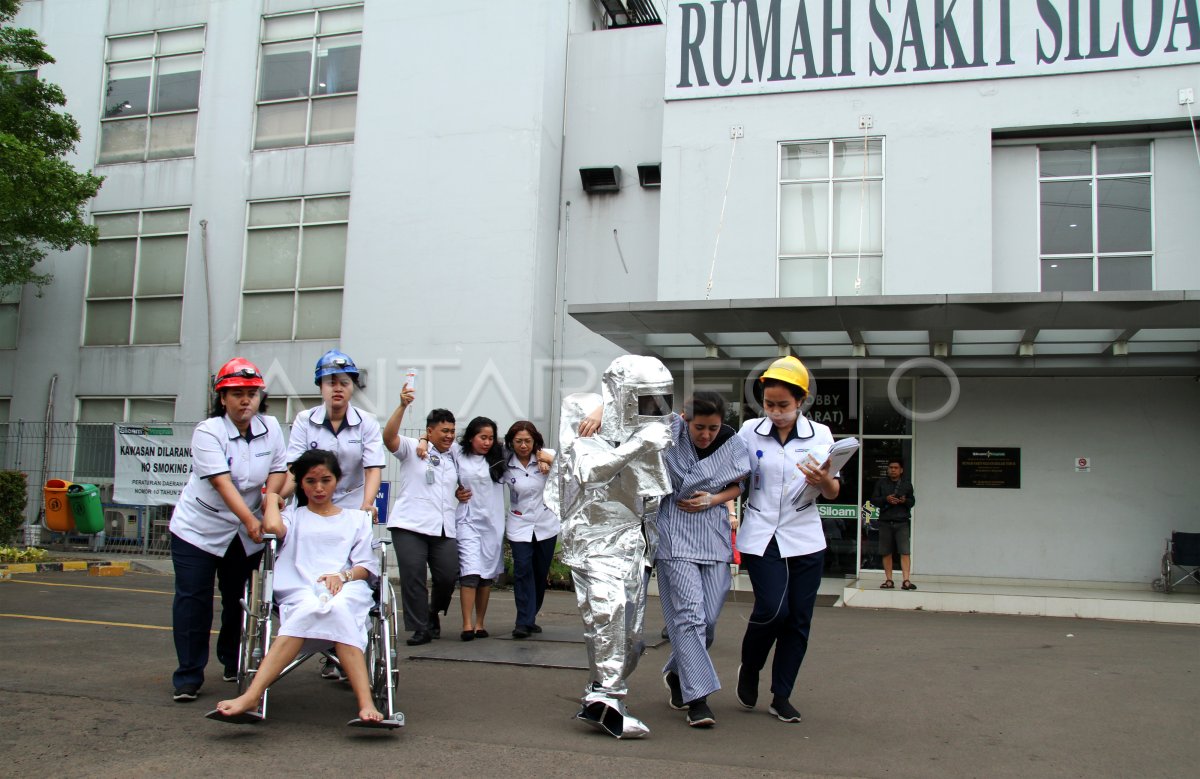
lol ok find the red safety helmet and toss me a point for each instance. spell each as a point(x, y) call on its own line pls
point(239, 372)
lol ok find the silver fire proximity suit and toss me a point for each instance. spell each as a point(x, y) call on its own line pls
point(606, 490)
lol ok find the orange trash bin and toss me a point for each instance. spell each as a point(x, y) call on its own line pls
point(58, 512)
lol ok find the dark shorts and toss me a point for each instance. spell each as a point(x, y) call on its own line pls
point(894, 537)
point(475, 580)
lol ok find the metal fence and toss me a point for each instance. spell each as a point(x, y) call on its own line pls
point(85, 452)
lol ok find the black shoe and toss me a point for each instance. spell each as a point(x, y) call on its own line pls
point(536, 628)
point(521, 631)
point(435, 625)
point(420, 637)
point(699, 715)
point(784, 710)
point(671, 680)
point(230, 674)
point(467, 635)
point(186, 694)
point(332, 671)
point(747, 688)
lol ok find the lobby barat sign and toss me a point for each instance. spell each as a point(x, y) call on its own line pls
point(718, 48)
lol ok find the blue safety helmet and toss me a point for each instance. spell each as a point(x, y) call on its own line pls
point(333, 362)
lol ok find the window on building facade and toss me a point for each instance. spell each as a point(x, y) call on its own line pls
point(10, 311)
point(1096, 216)
point(308, 77)
point(285, 409)
point(151, 95)
point(94, 432)
point(135, 278)
point(831, 218)
point(294, 270)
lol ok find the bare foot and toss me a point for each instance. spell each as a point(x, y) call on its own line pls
point(238, 705)
point(369, 714)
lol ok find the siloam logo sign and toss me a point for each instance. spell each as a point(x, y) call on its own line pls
point(719, 48)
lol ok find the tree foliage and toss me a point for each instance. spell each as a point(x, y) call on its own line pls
point(41, 195)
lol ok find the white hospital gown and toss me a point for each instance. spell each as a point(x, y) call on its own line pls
point(480, 521)
point(316, 545)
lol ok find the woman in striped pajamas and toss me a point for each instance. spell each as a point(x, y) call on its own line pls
point(707, 464)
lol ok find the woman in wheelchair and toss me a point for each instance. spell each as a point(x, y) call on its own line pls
point(322, 582)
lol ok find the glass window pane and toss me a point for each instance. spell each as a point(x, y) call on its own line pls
point(1073, 160)
point(848, 269)
point(1124, 216)
point(116, 224)
point(156, 321)
point(342, 20)
point(173, 135)
point(848, 158)
point(337, 65)
point(1125, 273)
point(178, 84)
point(9, 315)
point(112, 268)
point(805, 161)
point(1123, 157)
point(158, 222)
point(326, 209)
point(277, 28)
point(880, 417)
point(130, 46)
point(281, 124)
point(128, 91)
point(323, 262)
point(286, 69)
point(122, 141)
point(160, 268)
point(151, 410)
point(333, 119)
point(857, 216)
point(804, 219)
point(320, 314)
point(1066, 217)
point(271, 258)
point(804, 278)
point(1067, 275)
point(177, 41)
point(107, 323)
point(101, 410)
point(275, 212)
point(267, 317)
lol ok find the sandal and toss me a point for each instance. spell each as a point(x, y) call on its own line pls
point(907, 585)
point(888, 584)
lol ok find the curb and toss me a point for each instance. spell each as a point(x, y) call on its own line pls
point(68, 565)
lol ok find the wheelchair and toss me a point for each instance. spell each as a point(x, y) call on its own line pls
point(1182, 553)
point(260, 621)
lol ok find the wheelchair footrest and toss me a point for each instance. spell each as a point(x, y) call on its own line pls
point(245, 718)
point(397, 721)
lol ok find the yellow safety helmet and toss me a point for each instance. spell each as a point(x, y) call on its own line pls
point(789, 370)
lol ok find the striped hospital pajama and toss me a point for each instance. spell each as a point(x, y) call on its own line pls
point(692, 595)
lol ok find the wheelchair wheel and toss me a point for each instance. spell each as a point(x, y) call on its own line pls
point(256, 626)
point(382, 655)
point(1159, 585)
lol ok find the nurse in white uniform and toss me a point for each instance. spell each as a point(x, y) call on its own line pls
point(338, 426)
point(531, 527)
point(215, 527)
point(322, 583)
point(782, 545)
point(480, 521)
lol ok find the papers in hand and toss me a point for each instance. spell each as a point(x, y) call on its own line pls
point(836, 454)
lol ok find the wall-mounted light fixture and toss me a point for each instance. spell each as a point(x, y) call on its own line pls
point(650, 175)
point(601, 179)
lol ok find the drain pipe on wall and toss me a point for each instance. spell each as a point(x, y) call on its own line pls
point(46, 435)
point(209, 368)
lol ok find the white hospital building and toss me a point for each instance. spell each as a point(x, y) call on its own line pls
point(975, 222)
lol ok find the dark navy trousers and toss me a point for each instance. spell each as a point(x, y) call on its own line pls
point(192, 611)
point(785, 592)
point(531, 567)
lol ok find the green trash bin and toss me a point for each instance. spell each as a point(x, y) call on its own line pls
point(84, 500)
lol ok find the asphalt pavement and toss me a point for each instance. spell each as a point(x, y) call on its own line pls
point(883, 694)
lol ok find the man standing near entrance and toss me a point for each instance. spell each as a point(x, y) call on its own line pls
point(894, 497)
